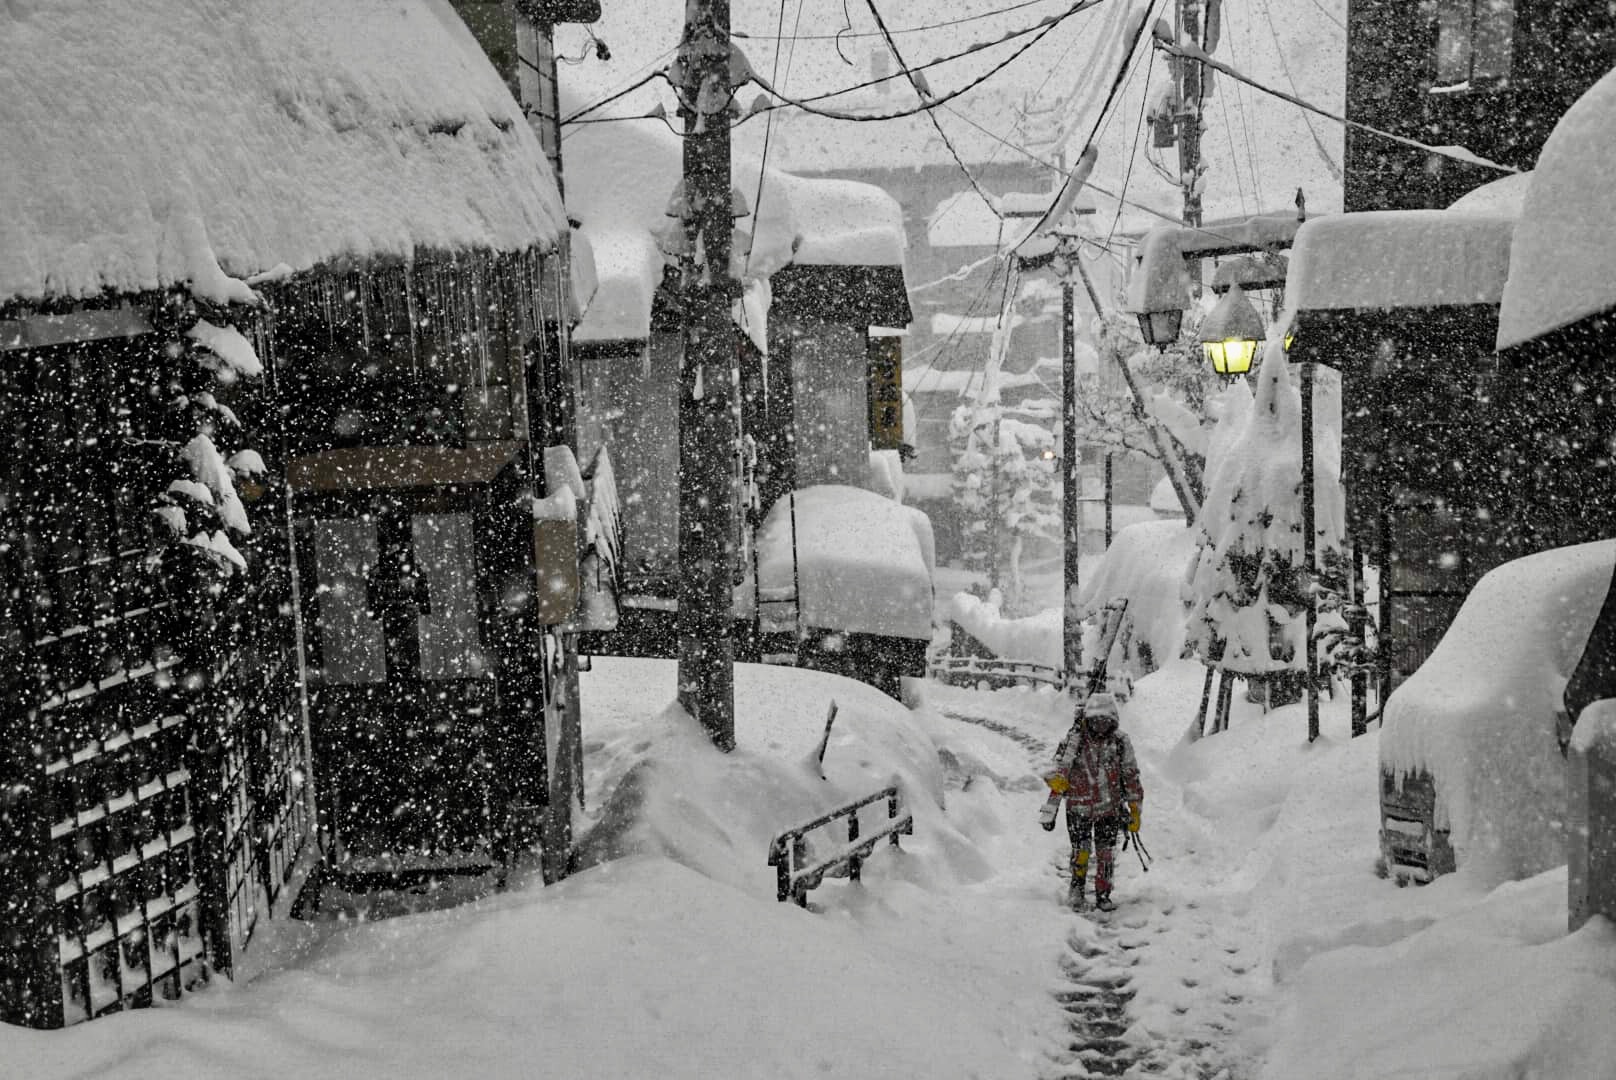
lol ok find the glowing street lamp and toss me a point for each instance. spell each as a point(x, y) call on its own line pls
point(1230, 334)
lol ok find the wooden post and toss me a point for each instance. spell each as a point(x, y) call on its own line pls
point(1309, 558)
point(1072, 509)
point(707, 436)
point(1359, 625)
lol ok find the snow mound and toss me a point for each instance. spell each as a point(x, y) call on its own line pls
point(1495, 992)
point(1035, 639)
point(1479, 714)
point(1145, 565)
point(1564, 267)
point(863, 563)
point(184, 137)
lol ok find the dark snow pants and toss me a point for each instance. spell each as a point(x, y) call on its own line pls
point(1103, 830)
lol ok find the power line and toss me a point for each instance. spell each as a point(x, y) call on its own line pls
point(1038, 34)
point(902, 29)
point(1105, 107)
point(1039, 29)
point(1127, 173)
point(603, 102)
point(1455, 153)
point(768, 127)
point(924, 96)
point(1243, 94)
point(1318, 144)
point(1029, 155)
point(1234, 153)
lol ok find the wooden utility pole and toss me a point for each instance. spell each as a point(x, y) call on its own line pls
point(707, 431)
point(1072, 459)
point(1191, 81)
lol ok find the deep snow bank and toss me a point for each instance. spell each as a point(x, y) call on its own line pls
point(1479, 714)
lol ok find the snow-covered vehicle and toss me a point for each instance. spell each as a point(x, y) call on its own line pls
point(1471, 754)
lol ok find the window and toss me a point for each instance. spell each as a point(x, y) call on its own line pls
point(1474, 43)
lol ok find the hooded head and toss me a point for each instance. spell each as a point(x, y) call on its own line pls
point(1100, 717)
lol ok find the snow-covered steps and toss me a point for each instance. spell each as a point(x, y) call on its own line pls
point(1124, 1019)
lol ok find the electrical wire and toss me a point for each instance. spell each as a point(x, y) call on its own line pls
point(603, 102)
point(993, 156)
point(1029, 155)
point(768, 129)
point(1105, 107)
point(1234, 154)
point(1284, 65)
point(1038, 33)
point(924, 96)
point(902, 29)
point(1242, 96)
point(1456, 154)
point(1139, 128)
point(1040, 30)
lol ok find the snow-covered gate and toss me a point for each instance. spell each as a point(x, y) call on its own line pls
point(153, 752)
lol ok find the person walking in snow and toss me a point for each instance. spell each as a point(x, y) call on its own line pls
point(1099, 777)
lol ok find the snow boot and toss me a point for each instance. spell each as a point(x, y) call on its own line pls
point(1103, 902)
point(1075, 898)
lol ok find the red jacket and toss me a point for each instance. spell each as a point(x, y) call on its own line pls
point(1102, 775)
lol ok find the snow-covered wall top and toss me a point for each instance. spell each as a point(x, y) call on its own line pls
point(1399, 259)
point(146, 140)
point(620, 177)
point(1564, 267)
point(1479, 714)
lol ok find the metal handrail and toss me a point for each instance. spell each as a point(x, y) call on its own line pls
point(794, 879)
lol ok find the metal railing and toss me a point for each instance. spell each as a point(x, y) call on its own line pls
point(789, 854)
point(995, 673)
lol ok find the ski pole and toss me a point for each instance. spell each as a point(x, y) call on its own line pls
point(1139, 850)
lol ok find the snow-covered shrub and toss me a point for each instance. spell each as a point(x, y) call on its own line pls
point(1248, 586)
point(198, 514)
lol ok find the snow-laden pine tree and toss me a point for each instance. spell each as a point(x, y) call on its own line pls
point(1006, 480)
point(1247, 585)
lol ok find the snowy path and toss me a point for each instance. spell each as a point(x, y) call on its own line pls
point(1162, 986)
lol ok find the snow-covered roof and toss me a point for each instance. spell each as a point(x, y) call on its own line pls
point(145, 142)
point(620, 177)
point(1479, 714)
point(1161, 281)
point(863, 563)
point(1565, 265)
point(1502, 197)
point(1399, 259)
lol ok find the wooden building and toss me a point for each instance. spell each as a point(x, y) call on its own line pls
point(273, 347)
point(824, 268)
point(1492, 76)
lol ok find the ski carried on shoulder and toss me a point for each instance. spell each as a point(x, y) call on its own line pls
point(1110, 625)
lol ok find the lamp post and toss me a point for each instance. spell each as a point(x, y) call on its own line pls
point(1230, 334)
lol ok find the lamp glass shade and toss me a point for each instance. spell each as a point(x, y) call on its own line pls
point(1230, 333)
point(1160, 328)
point(1232, 356)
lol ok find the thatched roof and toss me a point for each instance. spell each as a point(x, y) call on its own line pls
point(154, 141)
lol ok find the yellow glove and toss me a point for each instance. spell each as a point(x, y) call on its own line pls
point(1133, 817)
point(1057, 782)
